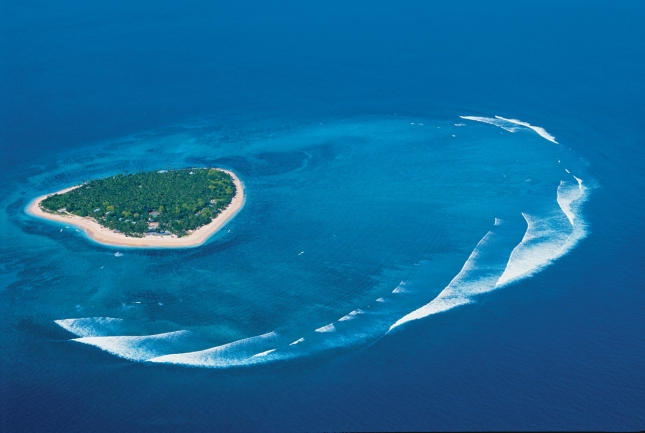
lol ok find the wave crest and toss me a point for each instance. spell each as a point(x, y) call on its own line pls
point(512, 125)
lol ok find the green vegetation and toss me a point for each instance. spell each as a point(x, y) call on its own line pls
point(174, 201)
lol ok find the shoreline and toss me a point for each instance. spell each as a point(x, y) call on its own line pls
point(105, 236)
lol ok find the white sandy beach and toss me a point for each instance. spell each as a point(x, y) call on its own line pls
point(107, 236)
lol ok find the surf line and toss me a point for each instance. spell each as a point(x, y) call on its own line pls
point(450, 297)
point(546, 239)
point(511, 125)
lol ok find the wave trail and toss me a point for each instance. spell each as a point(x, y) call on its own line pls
point(512, 125)
point(542, 243)
point(91, 326)
point(470, 280)
point(565, 198)
point(227, 355)
point(541, 131)
point(327, 328)
point(400, 288)
point(261, 354)
point(351, 315)
point(492, 121)
point(136, 348)
point(547, 238)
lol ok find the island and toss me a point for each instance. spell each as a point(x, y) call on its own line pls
point(162, 208)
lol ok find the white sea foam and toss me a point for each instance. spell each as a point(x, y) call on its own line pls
point(400, 288)
point(565, 204)
point(541, 131)
point(580, 188)
point(351, 315)
point(327, 328)
point(135, 348)
point(512, 125)
point(118, 254)
point(547, 238)
point(458, 291)
point(265, 353)
point(498, 221)
point(542, 242)
point(299, 340)
point(437, 305)
point(227, 355)
point(380, 300)
point(90, 326)
point(492, 121)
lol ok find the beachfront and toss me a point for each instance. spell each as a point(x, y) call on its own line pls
point(107, 236)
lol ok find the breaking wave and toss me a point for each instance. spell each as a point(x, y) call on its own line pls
point(137, 348)
point(512, 125)
point(327, 328)
point(352, 315)
point(227, 355)
point(546, 239)
point(91, 326)
point(462, 286)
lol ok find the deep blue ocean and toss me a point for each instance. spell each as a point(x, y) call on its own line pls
point(404, 260)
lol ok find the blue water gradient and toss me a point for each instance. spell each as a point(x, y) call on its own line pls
point(405, 259)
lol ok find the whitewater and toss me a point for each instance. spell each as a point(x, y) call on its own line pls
point(512, 125)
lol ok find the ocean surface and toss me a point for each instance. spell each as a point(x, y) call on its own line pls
point(443, 227)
